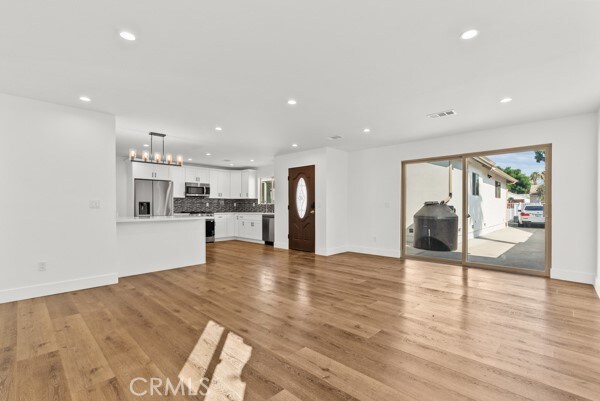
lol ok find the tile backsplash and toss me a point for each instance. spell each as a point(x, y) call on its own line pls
point(186, 205)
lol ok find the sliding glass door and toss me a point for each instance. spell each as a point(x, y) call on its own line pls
point(489, 209)
point(433, 209)
point(507, 209)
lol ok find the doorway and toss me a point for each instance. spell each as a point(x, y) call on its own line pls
point(498, 214)
point(301, 209)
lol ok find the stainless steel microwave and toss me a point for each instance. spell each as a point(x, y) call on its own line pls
point(197, 189)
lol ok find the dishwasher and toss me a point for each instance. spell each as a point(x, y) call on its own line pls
point(268, 228)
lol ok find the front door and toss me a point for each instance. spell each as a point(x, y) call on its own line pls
point(301, 209)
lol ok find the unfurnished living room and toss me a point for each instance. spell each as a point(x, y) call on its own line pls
point(278, 200)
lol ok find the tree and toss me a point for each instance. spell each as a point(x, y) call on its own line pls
point(523, 184)
point(540, 156)
point(534, 177)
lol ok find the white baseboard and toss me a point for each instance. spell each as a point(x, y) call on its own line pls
point(254, 241)
point(281, 245)
point(597, 285)
point(391, 253)
point(42, 290)
point(334, 251)
point(570, 275)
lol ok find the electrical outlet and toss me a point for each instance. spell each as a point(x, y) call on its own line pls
point(94, 204)
point(234, 204)
point(253, 204)
point(207, 204)
point(42, 266)
point(374, 239)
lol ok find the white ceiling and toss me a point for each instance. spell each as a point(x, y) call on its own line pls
point(350, 64)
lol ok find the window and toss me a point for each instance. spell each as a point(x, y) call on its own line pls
point(475, 184)
point(301, 198)
point(498, 189)
point(267, 190)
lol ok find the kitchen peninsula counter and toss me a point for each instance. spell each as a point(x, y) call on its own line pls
point(150, 244)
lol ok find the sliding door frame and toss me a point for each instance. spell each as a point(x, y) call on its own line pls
point(465, 219)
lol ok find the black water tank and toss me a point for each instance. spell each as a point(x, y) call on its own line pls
point(436, 227)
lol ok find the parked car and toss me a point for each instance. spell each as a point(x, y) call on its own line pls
point(532, 214)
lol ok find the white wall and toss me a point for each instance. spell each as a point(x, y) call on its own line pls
point(123, 177)
point(283, 163)
point(374, 219)
point(55, 160)
point(597, 283)
point(337, 201)
point(487, 212)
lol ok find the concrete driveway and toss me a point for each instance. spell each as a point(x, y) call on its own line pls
point(522, 247)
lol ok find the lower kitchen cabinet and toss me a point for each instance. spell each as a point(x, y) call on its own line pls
point(240, 226)
point(250, 226)
point(222, 226)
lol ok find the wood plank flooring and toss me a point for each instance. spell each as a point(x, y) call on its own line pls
point(267, 324)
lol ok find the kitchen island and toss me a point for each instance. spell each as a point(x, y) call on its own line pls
point(150, 244)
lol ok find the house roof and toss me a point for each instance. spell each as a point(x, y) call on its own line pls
point(484, 161)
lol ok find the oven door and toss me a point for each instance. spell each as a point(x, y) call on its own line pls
point(210, 230)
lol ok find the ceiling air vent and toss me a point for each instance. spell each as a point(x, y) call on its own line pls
point(335, 137)
point(442, 114)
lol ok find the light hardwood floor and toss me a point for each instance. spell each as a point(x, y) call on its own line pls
point(346, 327)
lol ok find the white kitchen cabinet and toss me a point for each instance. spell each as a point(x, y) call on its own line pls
point(235, 179)
point(150, 171)
point(178, 176)
point(248, 184)
point(220, 184)
point(197, 174)
point(249, 226)
point(221, 226)
point(231, 226)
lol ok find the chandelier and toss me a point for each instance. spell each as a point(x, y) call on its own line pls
point(155, 157)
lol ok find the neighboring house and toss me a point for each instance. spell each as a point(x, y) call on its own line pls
point(487, 191)
point(533, 194)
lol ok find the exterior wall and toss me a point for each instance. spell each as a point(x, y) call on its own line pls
point(487, 212)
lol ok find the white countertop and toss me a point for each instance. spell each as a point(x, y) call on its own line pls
point(158, 219)
point(259, 213)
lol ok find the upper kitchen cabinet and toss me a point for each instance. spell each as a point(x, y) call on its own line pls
point(220, 184)
point(178, 176)
point(150, 171)
point(197, 174)
point(236, 184)
point(248, 184)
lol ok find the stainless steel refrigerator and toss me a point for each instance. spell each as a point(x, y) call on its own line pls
point(153, 198)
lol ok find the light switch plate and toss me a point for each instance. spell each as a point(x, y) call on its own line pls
point(94, 204)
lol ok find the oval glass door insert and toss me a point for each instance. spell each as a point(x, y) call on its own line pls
point(301, 198)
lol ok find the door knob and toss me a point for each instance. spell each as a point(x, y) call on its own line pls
point(312, 212)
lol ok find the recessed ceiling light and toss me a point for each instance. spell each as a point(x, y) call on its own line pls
point(470, 34)
point(231, 164)
point(218, 129)
point(189, 160)
point(85, 99)
point(127, 36)
point(292, 102)
point(208, 154)
point(506, 100)
point(294, 145)
point(367, 130)
point(146, 145)
point(251, 160)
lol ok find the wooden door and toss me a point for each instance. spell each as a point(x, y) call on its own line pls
point(301, 209)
